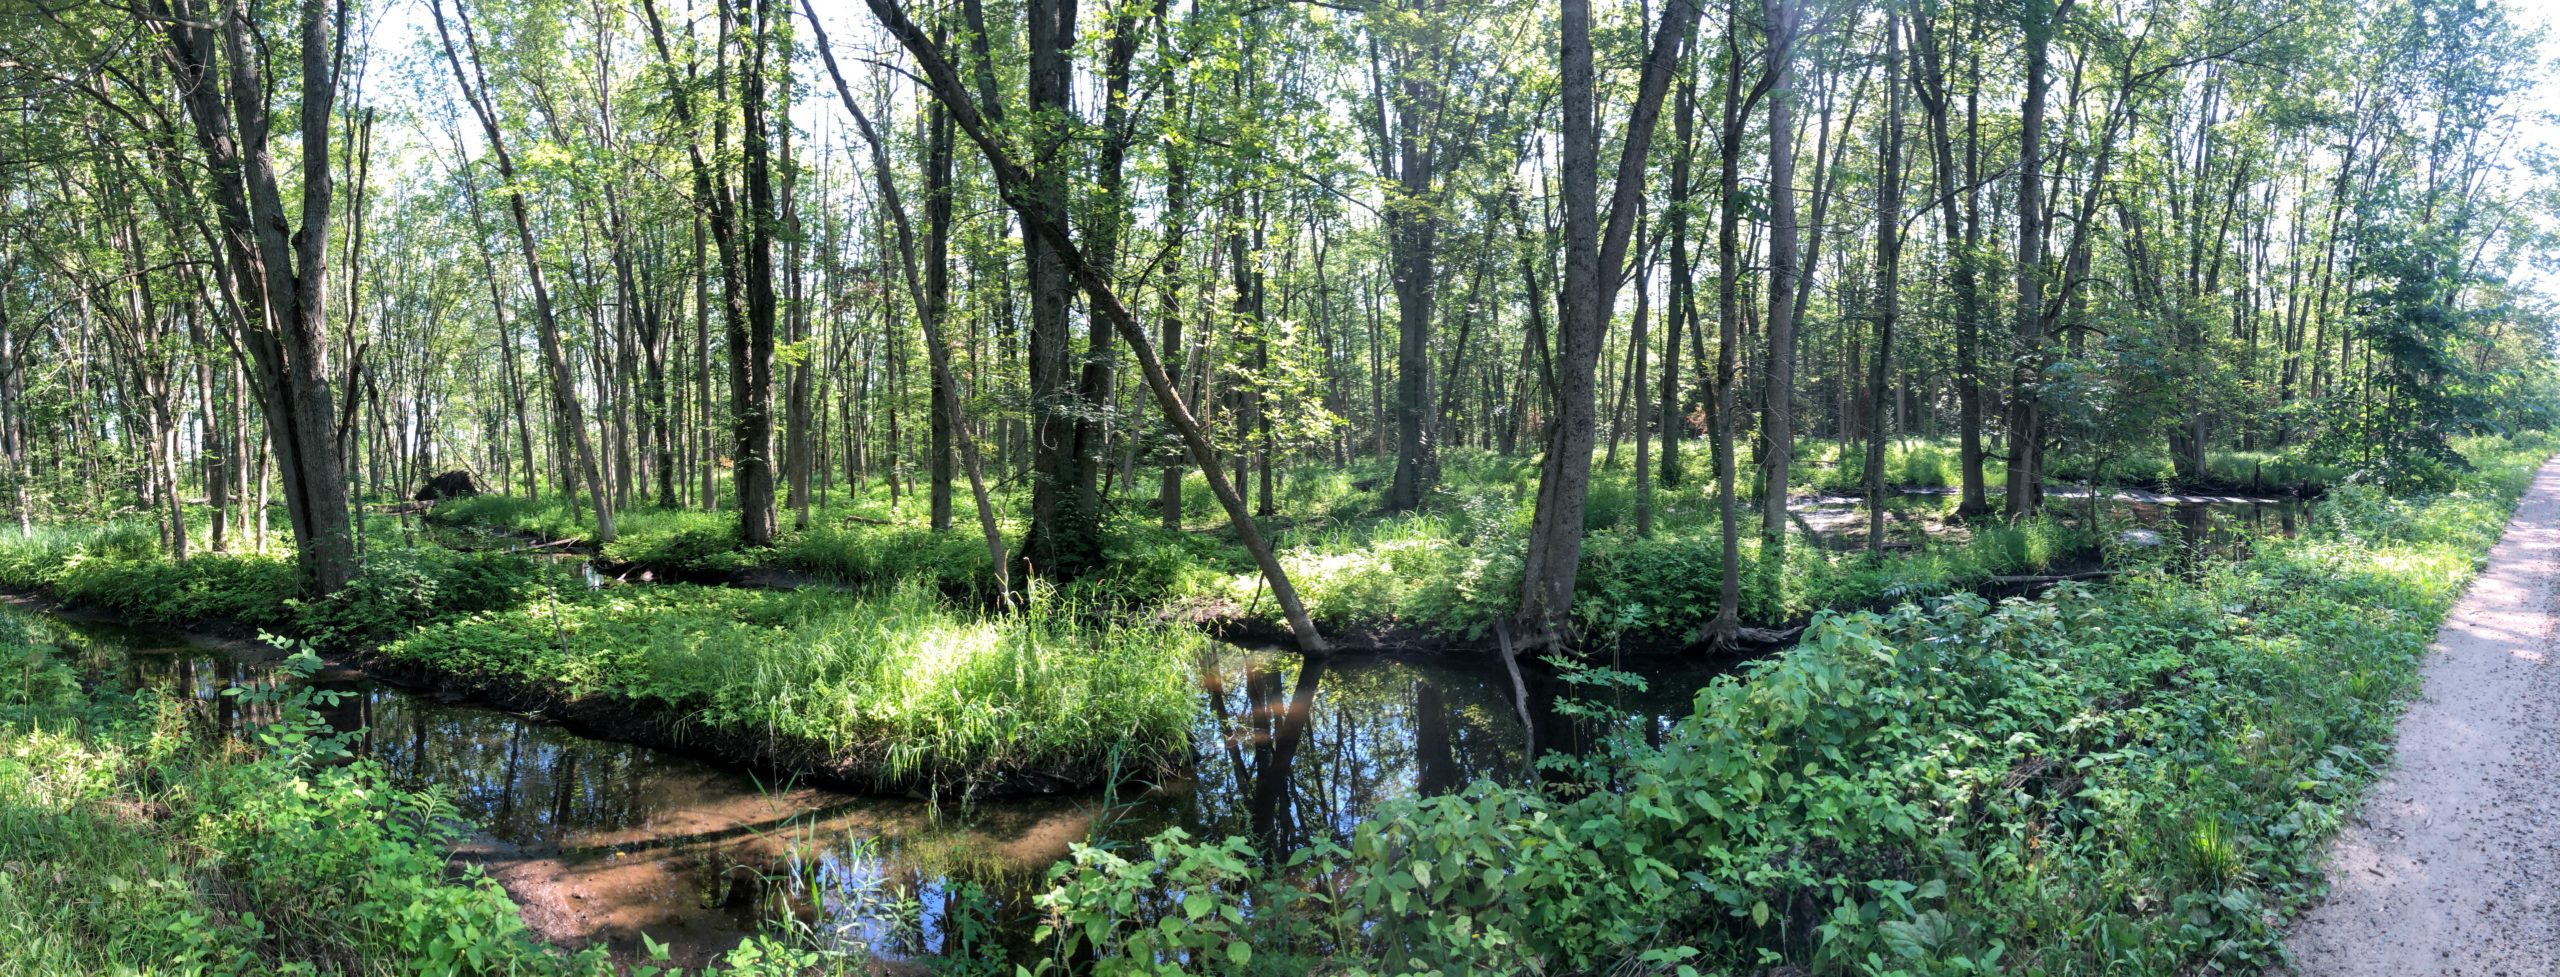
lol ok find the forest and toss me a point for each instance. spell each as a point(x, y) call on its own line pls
point(1774, 488)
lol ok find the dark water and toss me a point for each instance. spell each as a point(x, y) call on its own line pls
point(607, 841)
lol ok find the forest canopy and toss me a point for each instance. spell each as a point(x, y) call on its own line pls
point(747, 258)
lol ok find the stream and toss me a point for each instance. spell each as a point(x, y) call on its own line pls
point(606, 841)
point(603, 842)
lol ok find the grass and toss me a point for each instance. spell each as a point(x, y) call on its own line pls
point(135, 845)
point(897, 689)
point(135, 842)
point(1448, 569)
point(2137, 779)
point(893, 687)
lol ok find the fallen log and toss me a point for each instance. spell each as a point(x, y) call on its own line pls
point(563, 541)
point(1765, 636)
point(2047, 580)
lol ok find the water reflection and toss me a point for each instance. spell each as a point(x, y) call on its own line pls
point(606, 841)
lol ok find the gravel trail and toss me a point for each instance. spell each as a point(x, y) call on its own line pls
point(2453, 865)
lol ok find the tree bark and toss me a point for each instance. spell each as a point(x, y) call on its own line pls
point(277, 272)
point(1019, 188)
point(1064, 539)
point(1888, 275)
point(1592, 259)
point(564, 393)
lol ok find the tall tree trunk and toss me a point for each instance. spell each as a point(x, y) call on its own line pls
point(2040, 20)
point(564, 392)
point(751, 340)
point(1778, 412)
point(936, 305)
point(1684, 289)
point(1888, 274)
point(1412, 227)
point(1738, 105)
point(277, 272)
point(1177, 195)
point(1064, 539)
point(1593, 257)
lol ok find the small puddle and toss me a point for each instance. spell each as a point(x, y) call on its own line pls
point(604, 842)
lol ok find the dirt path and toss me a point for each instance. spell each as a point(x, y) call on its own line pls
point(2453, 866)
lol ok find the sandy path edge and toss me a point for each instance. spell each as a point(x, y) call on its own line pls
point(2452, 866)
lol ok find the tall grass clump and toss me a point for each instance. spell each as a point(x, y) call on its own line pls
point(952, 563)
point(897, 689)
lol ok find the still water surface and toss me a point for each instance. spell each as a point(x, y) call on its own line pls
point(606, 841)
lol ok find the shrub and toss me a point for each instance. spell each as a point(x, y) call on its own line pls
point(399, 590)
point(2048, 786)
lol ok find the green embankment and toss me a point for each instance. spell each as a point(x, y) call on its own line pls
point(894, 687)
point(133, 843)
point(891, 690)
point(2135, 779)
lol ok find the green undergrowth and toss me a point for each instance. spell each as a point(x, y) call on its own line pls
point(1456, 574)
point(120, 568)
point(1448, 569)
point(843, 545)
point(133, 843)
point(2136, 779)
point(895, 688)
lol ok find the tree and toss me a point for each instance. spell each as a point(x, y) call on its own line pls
point(564, 392)
point(1592, 260)
point(275, 268)
point(1020, 188)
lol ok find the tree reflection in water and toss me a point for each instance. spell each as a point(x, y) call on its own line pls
point(1288, 752)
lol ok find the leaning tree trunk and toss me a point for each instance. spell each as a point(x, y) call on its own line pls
point(1018, 186)
point(931, 306)
point(564, 392)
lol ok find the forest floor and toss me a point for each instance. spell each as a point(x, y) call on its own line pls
point(2453, 865)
